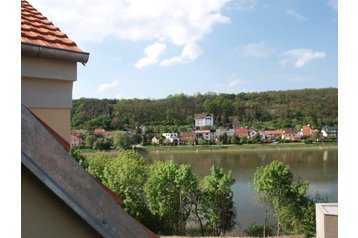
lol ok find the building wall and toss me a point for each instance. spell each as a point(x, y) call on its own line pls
point(326, 221)
point(44, 215)
point(56, 118)
point(46, 89)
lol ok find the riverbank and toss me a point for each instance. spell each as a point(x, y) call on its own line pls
point(226, 148)
point(293, 236)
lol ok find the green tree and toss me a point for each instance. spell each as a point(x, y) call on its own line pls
point(126, 175)
point(90, 140)
point(293, 210)
point(97, 163)
point(121, 140)
point(76, 154)
point(169, 190)
point(217, 204)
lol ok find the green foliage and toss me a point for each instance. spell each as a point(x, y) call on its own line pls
point(217, 204)
point(90, 140)
point(169, 192)
point(96, 164)
point(126, 175)
point(293, 209)
point(258, 230)
point(81, 160)
point(102, 144)
point(121, 140)
point(269, 110)
point(164, 196)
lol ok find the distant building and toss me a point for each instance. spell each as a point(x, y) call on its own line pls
point(204, 119)
point(289, 134)
point(99, 132)
point(306, 131)
point(173, 137)
point(241, 132)
point(155, 141)
point(204, 134)
point(75, 141)
point(270, 134)
point(185, 137)
point(330, 131)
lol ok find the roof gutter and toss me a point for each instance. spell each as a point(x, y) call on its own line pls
point(35, 50)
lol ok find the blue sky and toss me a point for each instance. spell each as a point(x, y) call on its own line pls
point(151, 49)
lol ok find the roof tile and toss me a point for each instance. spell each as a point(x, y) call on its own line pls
point(37, 29)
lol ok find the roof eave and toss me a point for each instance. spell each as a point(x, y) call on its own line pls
point(35, 50)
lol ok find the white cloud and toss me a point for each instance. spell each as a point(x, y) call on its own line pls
point(152, 54)
point(244, 5)
point(106, 86)
point(300, 57)
point(189, 53)
point(296, 15)
point(234, 82)
point(179, 22)
point(257, 50)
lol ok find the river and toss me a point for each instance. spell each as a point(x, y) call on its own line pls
point(318, 166)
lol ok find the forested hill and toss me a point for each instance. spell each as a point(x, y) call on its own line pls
point(269, 110)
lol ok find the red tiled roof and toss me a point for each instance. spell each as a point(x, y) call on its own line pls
point(241, 131)
point(37, 29)
point(74, 137)
point(273, 132)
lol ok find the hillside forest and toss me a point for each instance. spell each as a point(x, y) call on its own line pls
point(261, 110)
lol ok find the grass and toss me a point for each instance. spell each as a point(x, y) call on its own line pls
point(219, 148)
point(278, 146)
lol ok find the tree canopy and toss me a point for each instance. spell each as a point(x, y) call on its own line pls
point(269, 110)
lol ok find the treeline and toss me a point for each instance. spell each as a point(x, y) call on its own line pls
point(262, 110)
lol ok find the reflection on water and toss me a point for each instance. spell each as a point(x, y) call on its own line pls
point(318, 166)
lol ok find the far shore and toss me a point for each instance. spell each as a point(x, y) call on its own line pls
point(236, 148)
point(225, 148)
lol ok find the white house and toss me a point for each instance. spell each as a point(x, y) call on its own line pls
point(204, 119)
point(173, 137)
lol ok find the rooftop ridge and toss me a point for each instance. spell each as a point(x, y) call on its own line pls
point(37, 29)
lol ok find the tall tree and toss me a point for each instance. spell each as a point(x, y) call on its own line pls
point(217, 203)
point(169, 192)
point(293, 209)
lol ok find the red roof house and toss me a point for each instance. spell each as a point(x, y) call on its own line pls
point(241, 132)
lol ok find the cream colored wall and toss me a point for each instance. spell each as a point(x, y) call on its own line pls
point(57, 118)
point(46, 89)
point(45, 215)
point(48, 68)
point(46, 93)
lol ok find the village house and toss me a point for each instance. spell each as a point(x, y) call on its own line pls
point(306, 131)
point(330, 131)
point(99, 132)
point(270, 134)
point(75, 141)
point(221, 131)
point(204, 134)
point(155, 141)
point(242, 132)
point(289, 134)
point(172, 137)
point(204, 119)
point(186, 137)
